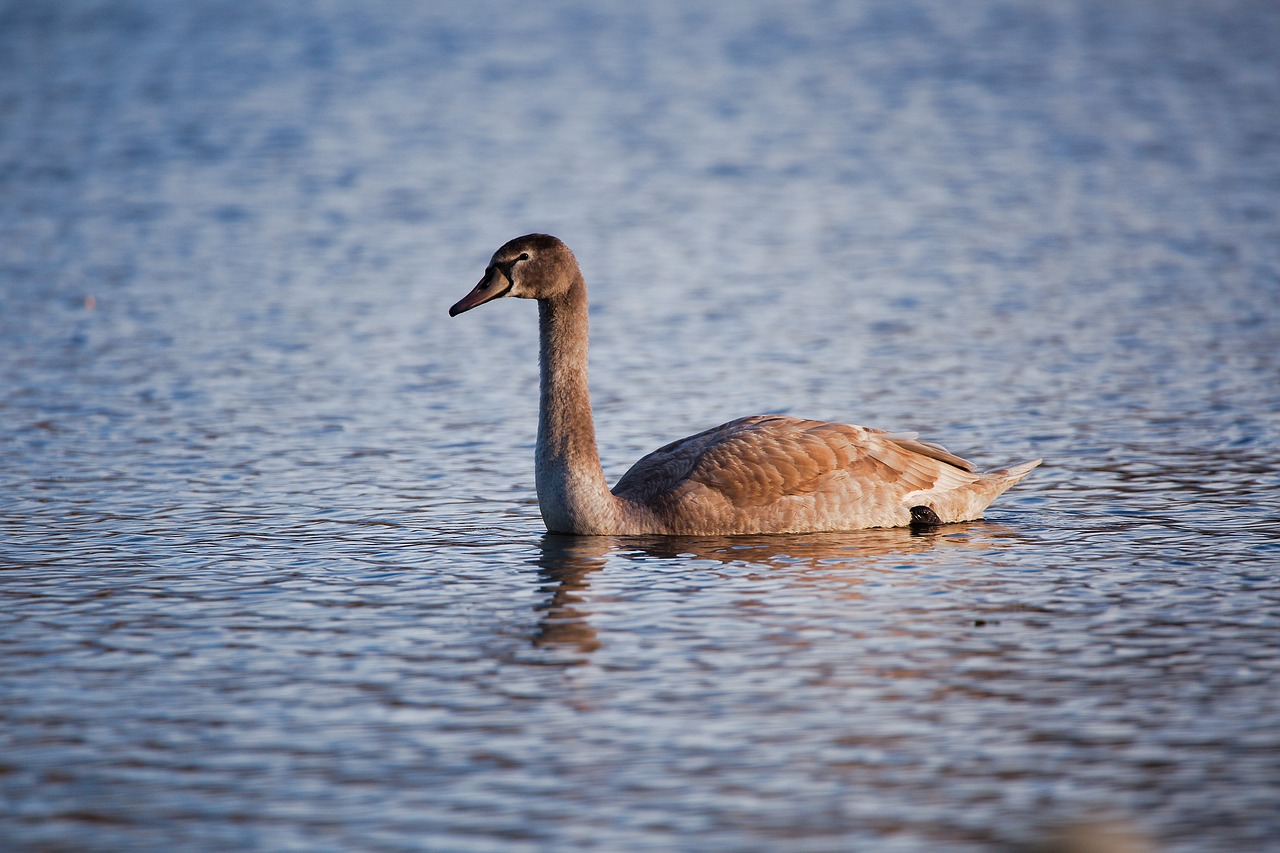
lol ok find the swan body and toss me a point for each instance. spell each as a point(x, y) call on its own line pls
point(759, 474)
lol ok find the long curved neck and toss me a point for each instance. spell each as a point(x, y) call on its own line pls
point(572, 493)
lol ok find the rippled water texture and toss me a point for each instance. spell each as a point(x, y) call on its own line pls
point(273, 575)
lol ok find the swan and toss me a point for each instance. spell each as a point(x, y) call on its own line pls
point(758, 474)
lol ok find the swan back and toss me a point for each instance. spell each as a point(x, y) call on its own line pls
point(775, 473)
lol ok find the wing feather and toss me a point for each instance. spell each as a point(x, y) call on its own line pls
point(766, 459)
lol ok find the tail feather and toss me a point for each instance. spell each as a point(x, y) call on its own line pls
point(1014, 473)
point(969, 502)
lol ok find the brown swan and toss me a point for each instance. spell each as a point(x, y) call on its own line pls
point(759, 474)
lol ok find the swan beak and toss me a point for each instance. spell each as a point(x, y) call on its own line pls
point(494, 285)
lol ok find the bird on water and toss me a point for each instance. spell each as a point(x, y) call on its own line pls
point(758, 474)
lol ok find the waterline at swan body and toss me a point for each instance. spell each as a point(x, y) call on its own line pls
point(759, 474)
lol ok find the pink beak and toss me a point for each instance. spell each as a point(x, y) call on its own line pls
point(494, 285)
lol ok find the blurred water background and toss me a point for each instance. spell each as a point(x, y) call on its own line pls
point(273, 575)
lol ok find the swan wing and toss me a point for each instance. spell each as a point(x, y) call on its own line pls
point(659, 472)
point(758, 461)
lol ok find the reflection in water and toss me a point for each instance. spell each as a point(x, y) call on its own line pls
point(566, 561)
point(825, 550)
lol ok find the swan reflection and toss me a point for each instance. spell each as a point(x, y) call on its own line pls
point(566, 562)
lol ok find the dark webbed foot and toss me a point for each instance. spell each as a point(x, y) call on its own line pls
point(924, 517)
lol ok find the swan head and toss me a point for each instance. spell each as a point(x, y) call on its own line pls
point(535, 266)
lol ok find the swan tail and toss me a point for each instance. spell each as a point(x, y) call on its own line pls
point(969, 502)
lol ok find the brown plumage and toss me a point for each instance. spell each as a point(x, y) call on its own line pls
point(760, 474)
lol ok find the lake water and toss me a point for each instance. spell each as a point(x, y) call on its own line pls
point(272, 569)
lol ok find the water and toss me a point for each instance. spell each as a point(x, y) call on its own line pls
point(273, 572)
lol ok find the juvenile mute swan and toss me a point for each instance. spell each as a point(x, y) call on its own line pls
point(759, 474)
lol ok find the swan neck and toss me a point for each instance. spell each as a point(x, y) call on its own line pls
point(572, 493)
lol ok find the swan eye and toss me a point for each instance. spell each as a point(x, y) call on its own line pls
point(524, 256)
